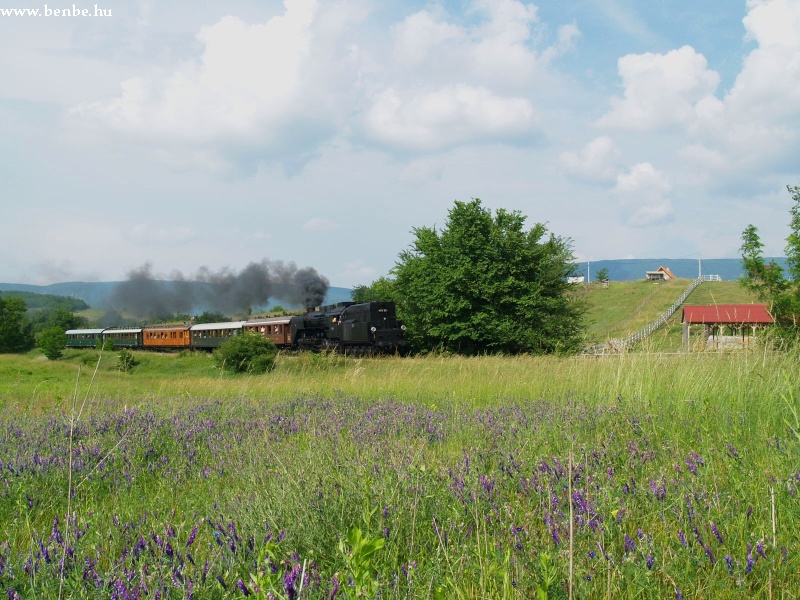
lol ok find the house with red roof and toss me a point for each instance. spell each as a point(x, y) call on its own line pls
point(725, 324)
point(660, 274)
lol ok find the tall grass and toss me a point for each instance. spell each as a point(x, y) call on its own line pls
point(643, 476)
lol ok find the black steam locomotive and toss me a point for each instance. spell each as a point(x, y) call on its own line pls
point(366, 328)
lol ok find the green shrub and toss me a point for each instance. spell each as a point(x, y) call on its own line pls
point(247, 353)
point(125, 361)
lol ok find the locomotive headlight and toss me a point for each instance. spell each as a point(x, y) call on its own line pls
point(373, 329)
point(403, 327)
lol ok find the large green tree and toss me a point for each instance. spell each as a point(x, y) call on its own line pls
point(767, 279)
point(382, 289)
point(51, 342)
point(486, 284)
point(15, 329)
point(59, 317)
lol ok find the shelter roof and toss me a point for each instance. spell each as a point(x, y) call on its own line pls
point(725, 314)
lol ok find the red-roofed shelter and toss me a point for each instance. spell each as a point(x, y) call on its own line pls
point(739, 319)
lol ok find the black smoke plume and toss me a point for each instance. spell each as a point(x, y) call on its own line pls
point(226, 291)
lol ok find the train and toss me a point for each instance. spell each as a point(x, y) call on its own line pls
point(347, 327)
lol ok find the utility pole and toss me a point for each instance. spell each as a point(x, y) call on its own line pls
point(699, 265)
point(588, 271)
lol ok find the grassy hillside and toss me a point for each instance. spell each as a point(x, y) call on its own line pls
point(626, 307)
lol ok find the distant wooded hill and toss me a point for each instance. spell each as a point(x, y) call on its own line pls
point(98, 293)
point(35, 300)
point(633, 269)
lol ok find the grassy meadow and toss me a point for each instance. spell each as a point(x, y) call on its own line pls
point(631, 476)
point(623, 308)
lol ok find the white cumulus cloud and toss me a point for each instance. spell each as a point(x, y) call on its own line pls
point(661, 90)
point(596, 162)
point(435, 119)
point(643, 191)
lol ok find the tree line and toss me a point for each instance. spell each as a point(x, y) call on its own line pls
point(768, 281)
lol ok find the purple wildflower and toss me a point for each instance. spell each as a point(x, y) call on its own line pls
point(56, 533)
point(750, 562)
point(630, 545)
point(289, 580)
point(650, 560)
point(335, 587)
point(729, 562)
point(732, 451)
point(716, 533)
point(760, 549)
point(682, 538)
point(192, 535)
point(243, 588)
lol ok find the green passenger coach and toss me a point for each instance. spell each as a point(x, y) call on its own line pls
point(213, 335)
point(124, 338)
point(84, 338)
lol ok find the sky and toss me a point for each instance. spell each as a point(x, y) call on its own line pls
point(189, 135)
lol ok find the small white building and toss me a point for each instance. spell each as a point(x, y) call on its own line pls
point(660, 274)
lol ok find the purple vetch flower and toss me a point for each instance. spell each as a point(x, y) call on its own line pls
point(750, 562)
point(630, 545)
point(221, 581)
point(192, 535)
point(709, 554)
point(243, 588)
point(729, 562)
point(650, 560)
point(682, 538)
point(678, 594)
point(716, 532)
point(289, 581)
point(56, 532)
point(760, 549)
point(692, 466)
point(335, 586)
point(697, 535)
point(749, 511)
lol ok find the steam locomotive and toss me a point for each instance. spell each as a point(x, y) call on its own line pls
point(366, 328)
